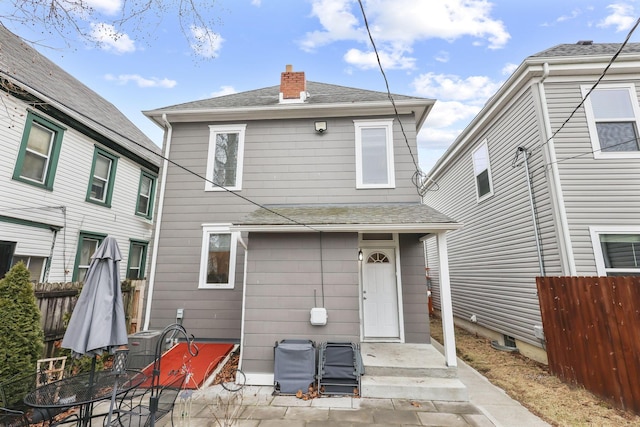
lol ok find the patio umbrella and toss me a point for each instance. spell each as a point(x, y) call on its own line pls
point(97, 323)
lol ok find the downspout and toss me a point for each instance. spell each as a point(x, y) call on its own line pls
point(533, 209)
point(156, 240)
point(566, 249)
point(244, 300)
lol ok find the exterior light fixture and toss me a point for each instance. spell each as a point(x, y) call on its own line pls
point(321, 127)
point(360, 255)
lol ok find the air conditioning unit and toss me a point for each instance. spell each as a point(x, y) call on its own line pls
point(142, 348)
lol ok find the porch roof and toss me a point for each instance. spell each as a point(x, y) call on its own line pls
point(389, 217)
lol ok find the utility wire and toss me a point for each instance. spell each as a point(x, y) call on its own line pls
point(604, 72)
point(418, 176)
point(161, 156)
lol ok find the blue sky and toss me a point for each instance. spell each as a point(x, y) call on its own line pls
point(458, 52)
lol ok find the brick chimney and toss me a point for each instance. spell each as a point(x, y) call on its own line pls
point(293, 86)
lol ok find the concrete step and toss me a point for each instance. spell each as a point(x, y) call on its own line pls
point(413, 388)
point(405, 360)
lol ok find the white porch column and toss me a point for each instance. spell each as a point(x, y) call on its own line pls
point(446, 309)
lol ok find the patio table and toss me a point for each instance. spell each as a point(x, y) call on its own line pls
point(77, 390)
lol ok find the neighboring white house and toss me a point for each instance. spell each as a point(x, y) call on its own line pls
point(545, 184)
point(73, 170)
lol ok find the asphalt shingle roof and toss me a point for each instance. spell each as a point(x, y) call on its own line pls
point(353, 214)
point(40, 76)
point(319, 93)
point(587, 49)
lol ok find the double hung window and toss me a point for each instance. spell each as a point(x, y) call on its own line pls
point(137, 259)
point(617, 251)
point(224, 161)
point(482, 172)
point(218, 262)
point(103, 172)
point(613, 117)
point(87, 245)
point(146, 191)
point(39, 151)
point(374, 154)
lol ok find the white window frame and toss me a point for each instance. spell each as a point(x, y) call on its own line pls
point(208, 229)
point(595, 232)
point(387, 124)
point(591, 121)
point(484, 145)
point(215, 130)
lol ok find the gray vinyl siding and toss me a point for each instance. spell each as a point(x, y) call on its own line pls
point(493, 260)
point(285, 162)
point(414, 290)
point(28, 202)
point(597, 192)
point(285, 280)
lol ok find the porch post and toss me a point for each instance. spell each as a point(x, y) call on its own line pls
point(446, 309)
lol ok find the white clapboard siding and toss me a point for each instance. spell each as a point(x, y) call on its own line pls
point(24, 201)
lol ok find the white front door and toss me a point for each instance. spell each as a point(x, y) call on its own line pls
point(380, 294)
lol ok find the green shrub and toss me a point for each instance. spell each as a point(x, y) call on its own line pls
point(21, 335)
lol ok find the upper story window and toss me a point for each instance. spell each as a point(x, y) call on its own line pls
point(146, 191)
point(87, 245)
point(103, 173)
point(224, 162)
point(613, 118)
point(617, 250)
point(374, 154)
point(482, 172)
point(39, 151)
point(218, 259)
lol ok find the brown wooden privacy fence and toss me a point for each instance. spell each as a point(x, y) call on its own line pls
point(57, 300)
point(592, 331)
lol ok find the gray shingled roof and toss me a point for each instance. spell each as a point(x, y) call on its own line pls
point(587, 49)
point(40, 76)
point(345, 214)
point(319, 93)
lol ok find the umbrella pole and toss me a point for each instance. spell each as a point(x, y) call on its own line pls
point(88, 407)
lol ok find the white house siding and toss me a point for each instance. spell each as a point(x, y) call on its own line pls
point(285, 280)
point(285, 162)
point(414, 290)
point(597, 191)
point(493, 259)
point(24, 201)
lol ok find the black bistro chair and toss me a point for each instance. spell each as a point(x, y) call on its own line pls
point(152, 400)
point(12, 393)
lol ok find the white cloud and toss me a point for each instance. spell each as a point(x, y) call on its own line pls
point(108, 7)
point(224, 90)
point(622, 17)
point(256, 2)
point(401, 23)
point(205, 42)
point(140, 81)
point(390, 60)
point(449, 87)
point(508, 69)
point(448, 113)
point(111, 40)
point(442, 56)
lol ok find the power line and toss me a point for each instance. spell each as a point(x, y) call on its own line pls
point(604, 72)
point(418, 176)
point(161, 156)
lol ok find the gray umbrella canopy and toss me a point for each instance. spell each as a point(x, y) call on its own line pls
point(98, 323)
